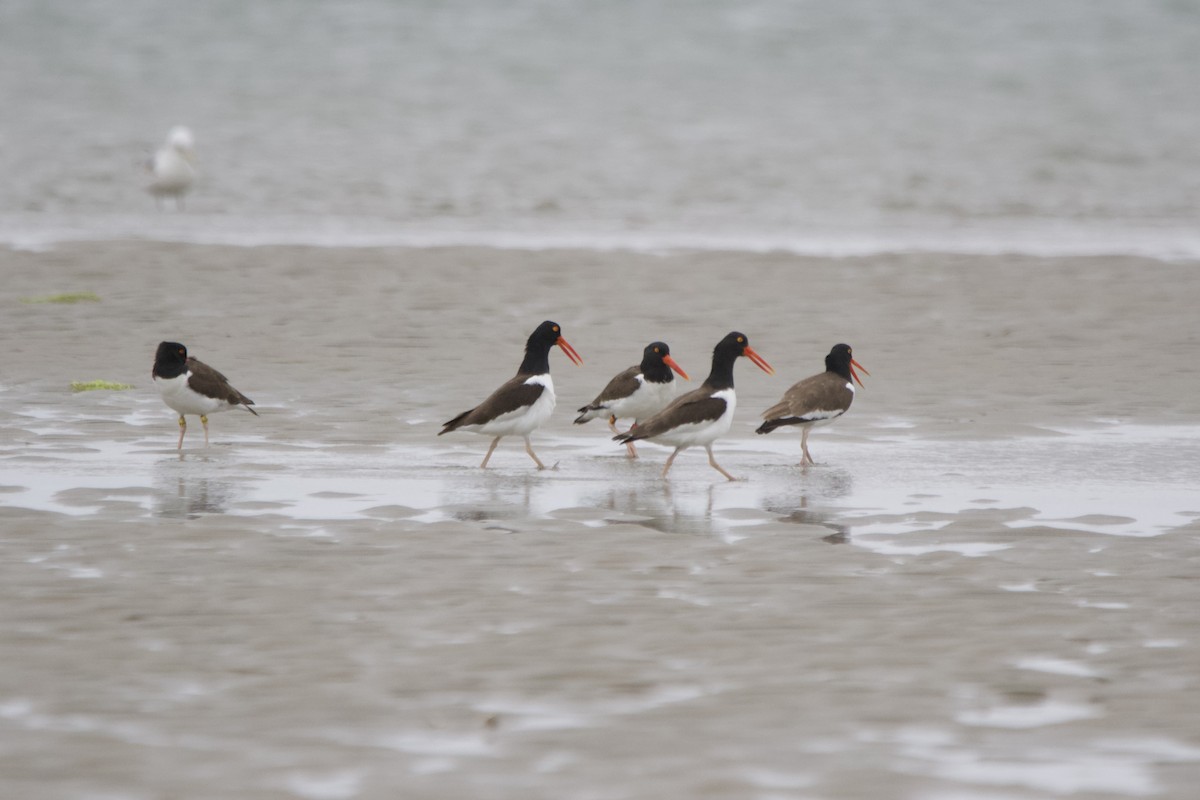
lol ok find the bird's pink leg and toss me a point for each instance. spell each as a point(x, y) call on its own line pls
point(495, 442)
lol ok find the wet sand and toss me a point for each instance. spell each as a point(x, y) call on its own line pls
point(985, 590)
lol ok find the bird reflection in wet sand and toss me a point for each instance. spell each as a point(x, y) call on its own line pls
point(657, 507)
point(796, 509)
point(506, 500)
point(191, 498)
point(802, 516)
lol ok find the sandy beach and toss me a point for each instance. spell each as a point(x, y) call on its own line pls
point(984, 590)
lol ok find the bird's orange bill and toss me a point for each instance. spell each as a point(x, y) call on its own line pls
point(759, 361)
point(854, 374)
point(670, 362)
point(570, 351)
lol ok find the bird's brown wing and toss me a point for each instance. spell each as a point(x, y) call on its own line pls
point(623, 384)
point(513, 395)
point(209, 382)
point(819, 397)
point(696, 406)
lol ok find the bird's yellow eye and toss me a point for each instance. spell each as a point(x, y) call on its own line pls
point(556, 329)
point(740, 340)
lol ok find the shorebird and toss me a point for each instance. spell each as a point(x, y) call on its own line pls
point(171, 167)
point(189, 386)
point(817, 400)
point(638, 392)
point(703, 415)
point(524, 402)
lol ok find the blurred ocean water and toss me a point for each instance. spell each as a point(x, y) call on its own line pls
point(1056, 127)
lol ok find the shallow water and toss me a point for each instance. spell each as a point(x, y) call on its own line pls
point(903, 481)
point(912, 617)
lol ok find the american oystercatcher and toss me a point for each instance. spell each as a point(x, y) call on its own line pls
point(172, 173)
point(638, 392)
point(189, 386)
point(817, 400)
point(703, 415)
point(525, 401)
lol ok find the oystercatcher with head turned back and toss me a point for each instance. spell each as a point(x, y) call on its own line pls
point(638, 392)
point(817, 400)
point(189, 386)
point(524, 402)
point(701, 416)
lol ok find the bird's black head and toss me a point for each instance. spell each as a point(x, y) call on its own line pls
point(545, 335)
point(656, 350)
point(171, 353)
point(170, 360)
point(728, 350)
point(735, 343)
point(537, 349)
point(841, 360)
point(839, 356)
point(657, 363)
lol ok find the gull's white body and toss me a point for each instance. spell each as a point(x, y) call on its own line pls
point(172, 173)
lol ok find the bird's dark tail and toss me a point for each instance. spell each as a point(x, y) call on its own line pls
point(772, 424)
point(454, 423)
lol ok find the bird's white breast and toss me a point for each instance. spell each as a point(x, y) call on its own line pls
point(173, 173)
point(648, 399)
point(179, 396)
